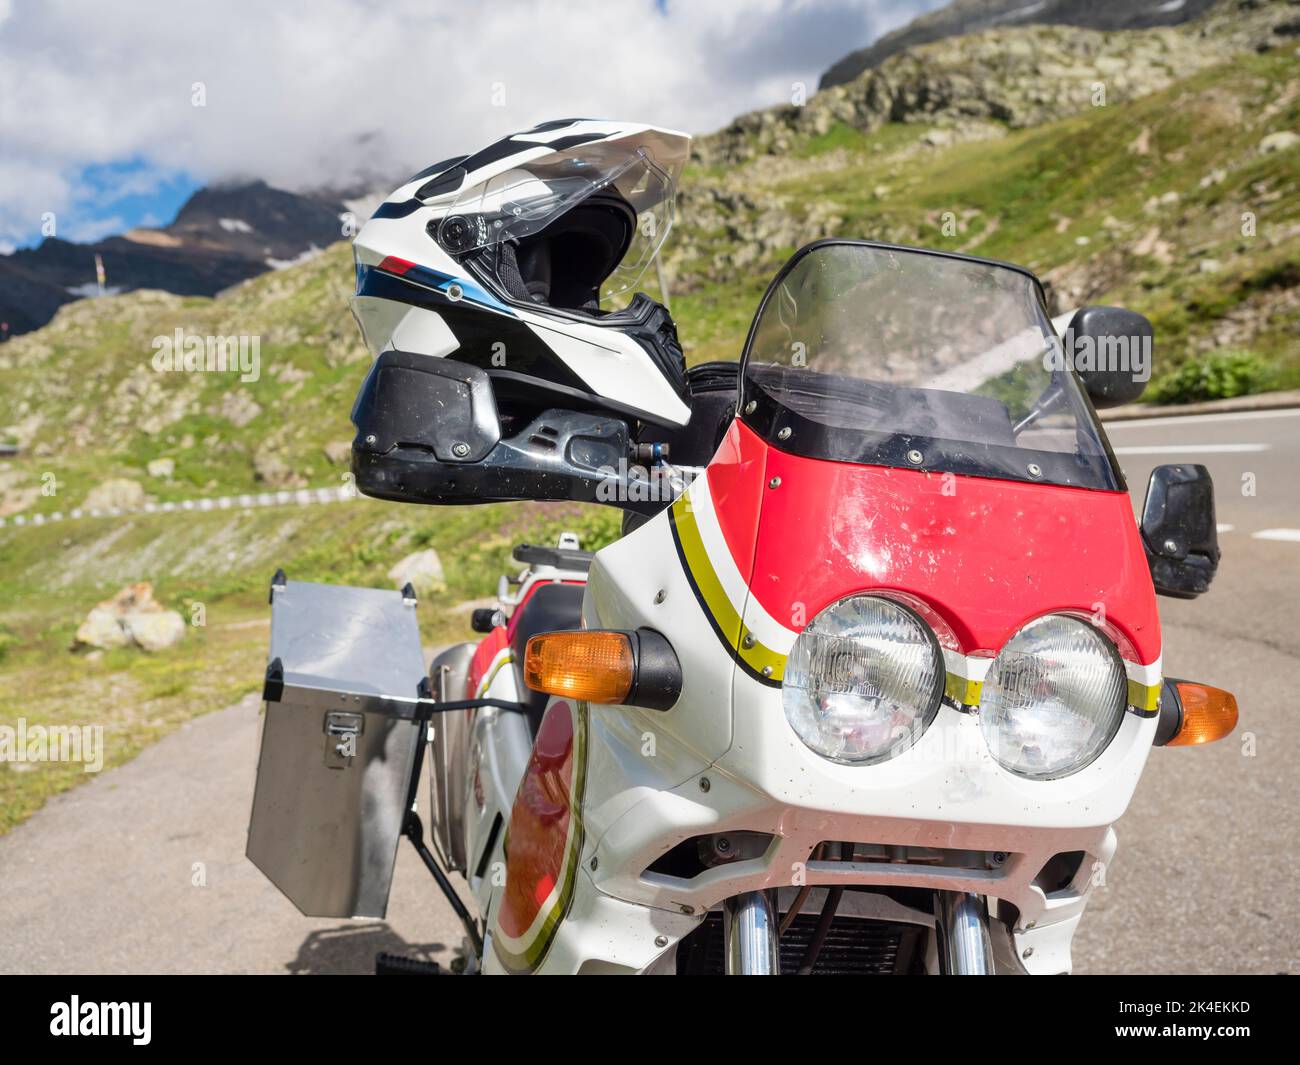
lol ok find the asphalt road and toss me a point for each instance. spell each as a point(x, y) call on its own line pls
point(1205, 878)
point(102, 878)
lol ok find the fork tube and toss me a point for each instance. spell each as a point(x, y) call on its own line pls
point(749, 931)
point(962, 925)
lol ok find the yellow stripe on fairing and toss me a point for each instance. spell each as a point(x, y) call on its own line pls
point(1144, 698)
point(962, 689)
point(486, 682)
point(758, 657)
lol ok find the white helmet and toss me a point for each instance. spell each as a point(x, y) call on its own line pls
point(521, 260)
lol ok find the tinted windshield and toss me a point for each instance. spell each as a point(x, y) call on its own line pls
point(891, 356)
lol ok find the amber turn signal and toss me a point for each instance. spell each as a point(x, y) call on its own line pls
point(596, 666)
point(1192, 714)
point(1209, 714)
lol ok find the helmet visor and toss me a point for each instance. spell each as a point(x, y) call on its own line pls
point(524, 201)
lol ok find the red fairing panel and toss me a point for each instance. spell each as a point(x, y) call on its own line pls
point(735, 477)
point(987, 555)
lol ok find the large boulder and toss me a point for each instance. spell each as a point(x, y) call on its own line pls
point(132, 617)
point(103, 628)
point(155, 631)
point(423, 570)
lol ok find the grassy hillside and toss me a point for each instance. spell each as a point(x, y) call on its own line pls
point(1179, 197)
point(215, 567)
point(1171, 203)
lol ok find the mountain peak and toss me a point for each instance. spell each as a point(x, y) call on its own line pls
point(223, 234)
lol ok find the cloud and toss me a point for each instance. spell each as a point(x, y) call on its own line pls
point(341, 93)
point(87, 231)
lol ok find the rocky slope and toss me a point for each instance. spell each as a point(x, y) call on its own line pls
point(963, 17)
point(1174, 190)
point(1013, 77)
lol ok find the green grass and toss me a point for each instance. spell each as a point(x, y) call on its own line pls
point(222, 560)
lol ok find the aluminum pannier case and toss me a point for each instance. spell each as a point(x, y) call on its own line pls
point(338, 745)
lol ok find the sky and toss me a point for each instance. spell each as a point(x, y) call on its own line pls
point(112, 114)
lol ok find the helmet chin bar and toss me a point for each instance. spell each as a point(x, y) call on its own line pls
point(428, 432)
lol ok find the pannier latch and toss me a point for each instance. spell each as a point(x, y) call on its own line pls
point(341, 732)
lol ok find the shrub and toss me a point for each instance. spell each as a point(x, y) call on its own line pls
point(1220, 375)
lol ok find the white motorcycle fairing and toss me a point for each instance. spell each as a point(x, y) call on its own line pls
point(724, 762)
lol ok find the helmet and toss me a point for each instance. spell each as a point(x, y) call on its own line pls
point(522, 258)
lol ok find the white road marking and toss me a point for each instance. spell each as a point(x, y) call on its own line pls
point(1289, 535)
point(1183, 419)
point(1189, 449)
point(1225, 528)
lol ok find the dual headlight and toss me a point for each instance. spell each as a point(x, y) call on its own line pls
point(865, 679)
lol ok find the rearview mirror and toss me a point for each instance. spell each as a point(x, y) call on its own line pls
point(1110, 350)
point(1179, 531)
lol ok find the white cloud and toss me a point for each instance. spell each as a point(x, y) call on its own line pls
point(335, 92)
point(89, 230)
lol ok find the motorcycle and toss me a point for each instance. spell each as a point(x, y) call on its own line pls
point(863, 688)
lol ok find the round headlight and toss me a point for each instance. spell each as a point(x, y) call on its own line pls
point(862, 681)
point(1053, 699)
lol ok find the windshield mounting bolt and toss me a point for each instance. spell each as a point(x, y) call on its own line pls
point(775, 482)
point(1029, 952)
point(1034, 469)
point(370, 439)
point(460, 450)
point(767, 671)
point(454, 292)
point(915, 457)
point(784, 434)
point(1171, 547)
point(661, 941)
point(704, 784)
point(749, 640)
point(660, 596)
point(751, 406)
point(594, 863)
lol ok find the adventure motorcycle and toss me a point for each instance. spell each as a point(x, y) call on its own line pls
point(864, 685)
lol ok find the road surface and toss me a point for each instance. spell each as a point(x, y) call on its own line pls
point(102, 878)
point(1205, 879)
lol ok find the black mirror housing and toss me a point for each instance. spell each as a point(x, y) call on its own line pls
point(486, 618)
point(1110, 349)
point(1179, 530)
